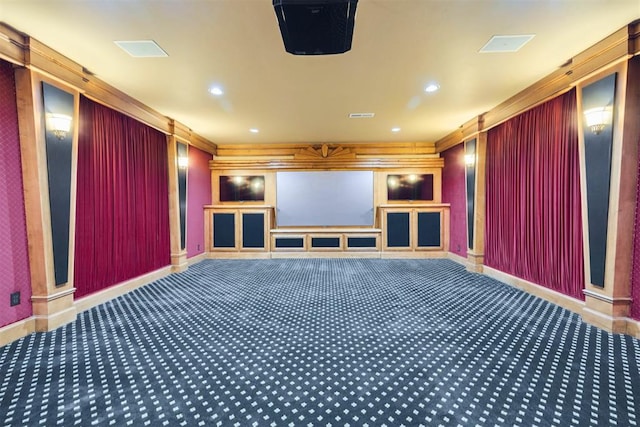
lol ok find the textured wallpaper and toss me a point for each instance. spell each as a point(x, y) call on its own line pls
point(453, 192)
point(198, 195)
point(14, 259)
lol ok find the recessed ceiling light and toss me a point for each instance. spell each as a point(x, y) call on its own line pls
point(432, 87)
point(498, 44)
point(395, 129)
point(141, 48)
point(216, 90)
point(254, 130)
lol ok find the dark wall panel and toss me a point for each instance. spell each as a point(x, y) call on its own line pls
point(361, 242)
point(289, 242)
point(182, 195)
point(224, 230)
point(253, 230)
point(429, 229)
point(59, 150)
point(597, 152)
point(470, 148)
point(398, 229)
point(325, 242)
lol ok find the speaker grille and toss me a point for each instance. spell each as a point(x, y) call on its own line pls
point(316, 27)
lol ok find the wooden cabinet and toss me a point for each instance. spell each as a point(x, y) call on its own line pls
point(404, 230)
point(317, 239)
point(238, 229)
point(413, 227)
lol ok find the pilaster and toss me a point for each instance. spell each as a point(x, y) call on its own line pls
point(52, 304)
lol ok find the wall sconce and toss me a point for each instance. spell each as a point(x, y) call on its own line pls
point(59, 125)
point(470, 159)
point(183, 162)
point(597, 118)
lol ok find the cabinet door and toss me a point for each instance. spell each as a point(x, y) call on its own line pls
point(253, 230)
point(224, 230)
point(429, 230)
point(398, 230)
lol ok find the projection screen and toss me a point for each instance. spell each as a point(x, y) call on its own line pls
point(325, 198)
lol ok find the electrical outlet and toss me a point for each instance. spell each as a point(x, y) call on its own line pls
point(15, 298)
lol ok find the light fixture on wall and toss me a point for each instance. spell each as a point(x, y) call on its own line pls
point(59, 125)
point(470, 159)
point(598, 118)
point(183, 162)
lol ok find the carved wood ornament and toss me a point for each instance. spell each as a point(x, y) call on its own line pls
point(324, 151)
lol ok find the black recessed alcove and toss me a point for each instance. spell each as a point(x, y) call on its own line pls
point(59, 149)
point(470, 177)
point(597, 156)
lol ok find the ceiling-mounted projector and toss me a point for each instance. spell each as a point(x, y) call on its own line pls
point(316, 27)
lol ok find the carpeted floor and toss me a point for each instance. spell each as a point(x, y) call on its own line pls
point(342, 342)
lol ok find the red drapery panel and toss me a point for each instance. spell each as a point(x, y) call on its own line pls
point(533, 210)
point(635, 273)
point(122, 214)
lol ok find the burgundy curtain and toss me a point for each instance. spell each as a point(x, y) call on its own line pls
point(533, 209)
point(122, 214)
point(635, 273)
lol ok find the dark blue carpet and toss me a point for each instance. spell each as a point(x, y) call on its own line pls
point(341, 342)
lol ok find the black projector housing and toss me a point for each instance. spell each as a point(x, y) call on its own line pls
point(316, 27)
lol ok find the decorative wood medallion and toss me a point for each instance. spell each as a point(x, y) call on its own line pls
point(324, 151)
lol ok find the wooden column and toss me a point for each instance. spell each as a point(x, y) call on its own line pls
point(52, 305)
point(607, 304)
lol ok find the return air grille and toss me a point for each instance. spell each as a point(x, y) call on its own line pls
point(361, 115)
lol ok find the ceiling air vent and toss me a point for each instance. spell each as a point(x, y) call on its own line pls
point(500, 44)
point(141, 48)
point(361, 115)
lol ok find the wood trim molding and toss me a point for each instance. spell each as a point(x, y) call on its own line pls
point(315, 151)
point(89, 301)
point(457, 259)
point(196, 259)
point(15, 331)
point(465, 132)
point(320, 163)
point(606, 298)
point(634, 38)
point(54, 296)
point(12, 44)
point(549, 295)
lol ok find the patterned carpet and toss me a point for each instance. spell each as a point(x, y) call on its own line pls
point(340, 342)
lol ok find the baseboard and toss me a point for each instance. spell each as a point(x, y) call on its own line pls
point(633, 328)
point(457, 258)
point(616, 325)
point(49, 322)
point(413, 254)
point(17, 330)
point(550, 295)
point(196, 259)
point(238, 255)
point(319, 254)
point(90, 301)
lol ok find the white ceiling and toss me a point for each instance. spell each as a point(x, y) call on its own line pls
point(399, 46)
